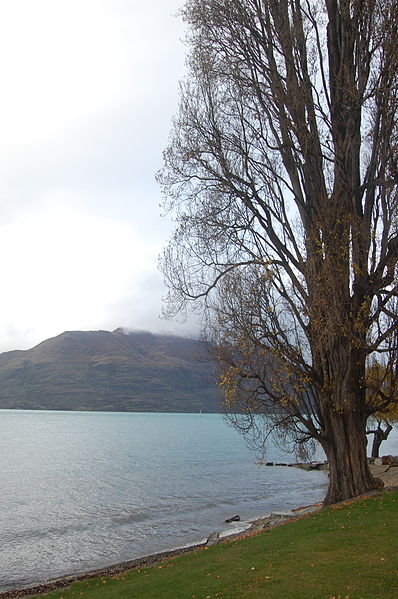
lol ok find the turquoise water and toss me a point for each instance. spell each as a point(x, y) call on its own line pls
point(82, 490)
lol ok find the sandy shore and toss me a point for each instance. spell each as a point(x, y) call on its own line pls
point(389, 475)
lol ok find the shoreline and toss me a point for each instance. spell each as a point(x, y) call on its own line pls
point(271, 520)
point(249, 527)
point(389, 477)
point(65, 581)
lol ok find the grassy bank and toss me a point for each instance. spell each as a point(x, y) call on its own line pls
point(346, 551)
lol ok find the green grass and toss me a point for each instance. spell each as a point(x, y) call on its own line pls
point(350, 550)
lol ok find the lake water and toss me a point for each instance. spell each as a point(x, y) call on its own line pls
point(83, 490)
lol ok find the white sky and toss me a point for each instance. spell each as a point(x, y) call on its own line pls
point(88, 90)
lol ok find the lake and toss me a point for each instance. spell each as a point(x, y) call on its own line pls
point(82, 490)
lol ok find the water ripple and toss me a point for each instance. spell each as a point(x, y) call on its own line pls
point(84, 490)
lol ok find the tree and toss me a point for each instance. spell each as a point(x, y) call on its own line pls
point(382, 388)
point(380, 434)
point(282, 172)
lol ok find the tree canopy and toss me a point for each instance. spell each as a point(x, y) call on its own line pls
point(282, 173)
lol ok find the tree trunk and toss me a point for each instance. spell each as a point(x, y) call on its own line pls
point(380, 435)
point(345, 446)
point(377, 441)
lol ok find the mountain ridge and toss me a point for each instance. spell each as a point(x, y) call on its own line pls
point(116, 370)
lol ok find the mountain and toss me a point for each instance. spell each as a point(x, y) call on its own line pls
point(109, 371)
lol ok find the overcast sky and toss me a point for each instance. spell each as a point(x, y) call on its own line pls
point(88, 90)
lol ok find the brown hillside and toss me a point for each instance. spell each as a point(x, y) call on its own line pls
point(102, 370)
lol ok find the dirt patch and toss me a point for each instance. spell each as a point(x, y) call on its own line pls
point(388, 474)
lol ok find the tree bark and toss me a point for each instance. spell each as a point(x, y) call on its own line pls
point(345, 447)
